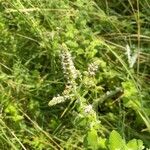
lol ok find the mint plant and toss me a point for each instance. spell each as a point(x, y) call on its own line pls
point(74, 75)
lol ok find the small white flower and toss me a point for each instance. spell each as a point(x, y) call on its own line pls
point(88, 109)
point(108, 92)
point(131, 57)
point(56, 100)
point(92, 68)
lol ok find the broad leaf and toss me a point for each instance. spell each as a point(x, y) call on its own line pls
point(91, 140)
point(115, 141)
point(135, 145)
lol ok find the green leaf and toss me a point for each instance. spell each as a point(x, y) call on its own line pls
point(131, 98)
point(91, 140)
point(135, 145)
point(115, 141)
point(102, 143)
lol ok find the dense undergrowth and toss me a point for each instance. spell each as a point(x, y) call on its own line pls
point(74, 74)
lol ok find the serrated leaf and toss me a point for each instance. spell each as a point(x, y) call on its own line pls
point(102, 143)
point(91, 140)
point(135, 145)
point(115, 141)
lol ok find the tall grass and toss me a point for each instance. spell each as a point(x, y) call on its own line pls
point(110, 95)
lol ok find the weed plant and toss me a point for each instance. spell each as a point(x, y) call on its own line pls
point(74, 74)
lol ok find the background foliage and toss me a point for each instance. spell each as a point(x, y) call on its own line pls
point(107, 44)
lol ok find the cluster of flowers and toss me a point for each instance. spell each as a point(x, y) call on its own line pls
point(70, 73)
point(92, 69)
point(68, 67)
point(58, 99)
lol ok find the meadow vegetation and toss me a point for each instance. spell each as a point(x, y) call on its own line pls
point(74, 74)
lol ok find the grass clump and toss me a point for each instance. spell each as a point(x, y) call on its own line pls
point(74, 74)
